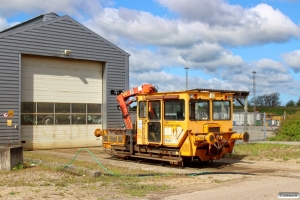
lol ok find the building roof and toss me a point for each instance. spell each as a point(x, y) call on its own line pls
point(38, 19)
point(48, 18)
point(237, 93)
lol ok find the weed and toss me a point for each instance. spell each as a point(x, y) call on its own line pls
point(61, 184)
point(61, 194)
point(217, 181)
point(46, 184)
point(136, 189)
point(18, 167)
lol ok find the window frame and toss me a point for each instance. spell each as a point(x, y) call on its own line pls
point(142, 109)
point(156, 116)
point(178, 115)
point(229, 113)
point(83, 117)
point(196, 101)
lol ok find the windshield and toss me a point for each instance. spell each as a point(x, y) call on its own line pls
point(199, 110)
point(174, 109)
point(221, 110)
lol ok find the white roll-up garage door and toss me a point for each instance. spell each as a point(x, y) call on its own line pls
point(61, 102)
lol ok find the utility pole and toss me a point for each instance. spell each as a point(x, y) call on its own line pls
point(254, 91)
point(186, 77)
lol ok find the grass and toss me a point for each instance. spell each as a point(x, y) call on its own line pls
point(128, 185)
point(12, 193)
point(260, 151)
point(136, 189)
point(59, 162)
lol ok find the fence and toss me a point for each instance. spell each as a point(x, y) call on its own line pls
point(258, 126)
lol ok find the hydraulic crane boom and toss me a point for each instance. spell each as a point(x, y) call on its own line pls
point(123, 104)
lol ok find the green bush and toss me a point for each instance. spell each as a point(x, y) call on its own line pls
point(289, 129)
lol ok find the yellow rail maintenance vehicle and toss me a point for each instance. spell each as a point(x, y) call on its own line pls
point(175, 126)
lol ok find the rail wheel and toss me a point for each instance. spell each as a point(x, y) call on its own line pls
point(182, 164)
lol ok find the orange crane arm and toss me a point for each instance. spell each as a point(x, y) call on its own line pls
point(123, 104)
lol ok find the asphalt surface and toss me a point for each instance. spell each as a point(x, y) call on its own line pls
point(267, 184)
point(260, 188)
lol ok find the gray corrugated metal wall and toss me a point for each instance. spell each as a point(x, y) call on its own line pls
point(50, 38)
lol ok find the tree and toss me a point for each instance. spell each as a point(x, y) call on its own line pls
point(274, 99)
point(260, 101)
point(268, 100)
point(298, 102)
point(290, 103)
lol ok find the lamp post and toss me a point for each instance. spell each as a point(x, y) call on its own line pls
point(254, 92)
point(186, 77)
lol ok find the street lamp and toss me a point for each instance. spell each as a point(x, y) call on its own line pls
point(254, 92)
point(186, 77)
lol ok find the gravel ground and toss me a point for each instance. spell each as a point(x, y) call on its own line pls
point(246, 179)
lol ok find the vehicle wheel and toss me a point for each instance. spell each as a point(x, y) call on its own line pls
point(182, 164)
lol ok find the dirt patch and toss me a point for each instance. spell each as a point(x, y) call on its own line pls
point(40, 182)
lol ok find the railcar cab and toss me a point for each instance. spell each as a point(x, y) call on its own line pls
point(165, 119)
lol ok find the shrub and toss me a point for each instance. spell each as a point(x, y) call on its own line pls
point(289, 129)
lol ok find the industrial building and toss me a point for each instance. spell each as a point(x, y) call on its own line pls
point(56, 77)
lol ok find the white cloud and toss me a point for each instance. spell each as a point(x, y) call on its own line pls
point(132, 25)
point(170, 82)
point(214, 21)
point(220, 23)
point(292, 59)
point(206, 57)
point(197, 39)
point(213, 12)
point(270, 66)
point(163, 80)
point(144, 60)
point(3, 24)
point(71, 7)
point(200, 20)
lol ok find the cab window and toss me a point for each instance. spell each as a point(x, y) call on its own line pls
point(174, 109)
point(154, 110)
point(142, 109)
point(221, 110)
point(199, 109)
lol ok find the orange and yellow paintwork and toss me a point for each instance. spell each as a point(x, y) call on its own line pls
point(207, 138)
point(190, 136)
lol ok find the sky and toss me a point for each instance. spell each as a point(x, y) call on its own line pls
point(220, 42)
